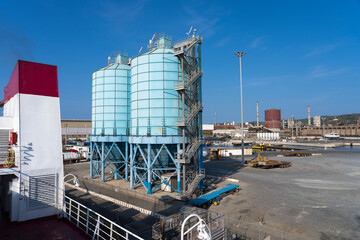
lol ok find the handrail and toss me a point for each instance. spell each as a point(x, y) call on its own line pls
point(93, 223)
point(179, 43)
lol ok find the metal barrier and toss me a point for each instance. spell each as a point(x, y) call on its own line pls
point(169, 228)
point(94, 224)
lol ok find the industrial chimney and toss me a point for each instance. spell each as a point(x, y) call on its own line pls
point(257, 113)
point(215, 118)
point(309, 120)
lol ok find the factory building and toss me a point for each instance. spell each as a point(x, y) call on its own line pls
point(317, 121)
point(75, 129)
point(147, 117)
point(273, 118)
point(208, 127)
point(291, 122)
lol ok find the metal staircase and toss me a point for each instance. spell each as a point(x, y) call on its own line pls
point(189, 89)
point(183, 46)
point(193, 185)
point(193, 78)
point(194, 112)
point(193, 149)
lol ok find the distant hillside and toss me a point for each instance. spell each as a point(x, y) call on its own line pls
point(337, 120)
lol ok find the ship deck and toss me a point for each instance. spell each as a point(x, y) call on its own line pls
point(39, 229)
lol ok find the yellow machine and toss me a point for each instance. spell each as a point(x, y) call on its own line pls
point(263, 162)
point(258, 161)
point(260, 147)
point(10, 159)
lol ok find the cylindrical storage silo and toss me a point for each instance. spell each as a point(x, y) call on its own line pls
point(155, 105)
point(273, 118)
point(110, 120)
point(111, 99)
point(164, 138)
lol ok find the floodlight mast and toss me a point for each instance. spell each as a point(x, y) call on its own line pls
point(239, 55)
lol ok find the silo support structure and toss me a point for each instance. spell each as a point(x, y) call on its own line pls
point(148, 164)
point(112, 156)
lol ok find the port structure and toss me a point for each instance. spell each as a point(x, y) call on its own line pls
point(154, 140)
point(151, 133)
point(188, 52)
point(152, 163)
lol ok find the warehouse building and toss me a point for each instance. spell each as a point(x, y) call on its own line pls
point(75, 129)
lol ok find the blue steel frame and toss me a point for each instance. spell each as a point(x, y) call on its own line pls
point(146, 168)
point(200, 130)
point(108, 153)
point(140, 158)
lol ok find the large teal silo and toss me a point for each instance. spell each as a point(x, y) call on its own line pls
point(155, 105)
point(110, 118)
point(111, 99)
point(155, 110)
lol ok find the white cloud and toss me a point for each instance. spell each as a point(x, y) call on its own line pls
point(320, 72)
point(206, 24)
point(223, 41)
point(257, 42)
point(321, 50)
point(205, 16)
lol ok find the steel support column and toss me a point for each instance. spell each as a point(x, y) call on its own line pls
point(147, 166)
point(131, 167)
point(109, 155)
point(102, 162)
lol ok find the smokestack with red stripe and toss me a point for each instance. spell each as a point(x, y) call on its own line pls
point(31, 109)
point(309, 119)
point(257, 113)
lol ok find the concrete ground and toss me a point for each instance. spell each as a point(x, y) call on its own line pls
point(317, 198)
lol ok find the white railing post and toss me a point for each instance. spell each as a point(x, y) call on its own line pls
point(98, 223)
point(111, 231)
point(70, 209)
point(87, 220)
point(78, 216)
point(98, 229)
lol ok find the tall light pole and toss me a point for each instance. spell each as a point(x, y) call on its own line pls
point(239, 55)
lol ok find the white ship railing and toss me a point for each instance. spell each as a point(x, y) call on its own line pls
point(94, 224)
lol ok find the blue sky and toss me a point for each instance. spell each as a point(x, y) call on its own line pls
point(300, 53)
